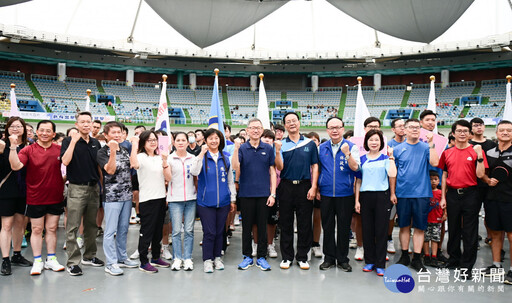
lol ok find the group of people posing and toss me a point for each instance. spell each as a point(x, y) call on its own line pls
point(270, 179)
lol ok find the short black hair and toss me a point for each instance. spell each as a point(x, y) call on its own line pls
point(97, 121)
point(54, 128)
point(140, 126)
point(335, 117)
point(70, 129)
point(476, 120)
point(227, 126)
point(110, 125)
point(370, 120)
point(463, 123)
point(267, 133)
point(279, 127)
point(370, 133)
point(124, 128)
point(411, 120)
point(348, 133)
point(290, 113)
point(395, 121)
point(433, 173)
point(83, 114)
point(427, 112)
point(503, 122)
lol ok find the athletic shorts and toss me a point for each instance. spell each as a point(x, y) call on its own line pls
point(498, 215)
point(433, 232)
point(38, 211)
point(11, 206)
point(413, 209)
point(316, 203)
point(273, 213)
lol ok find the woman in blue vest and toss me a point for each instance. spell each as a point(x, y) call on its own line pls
point(215, 191)
point(373, 200)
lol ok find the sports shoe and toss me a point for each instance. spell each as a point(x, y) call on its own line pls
point(80, 242)
point(113, 270)
point(99, 233)
point(159, 263)
point(188, 265)
point(246, 263)
point(391, 247)
point(254, 249)
point(369, 267)
point(417, 265)
point(380, 271)
point(303, 265)
point(94, 262)
point(508, 278)
point(317, 251)
point(359, 256)
point(6, 268)
point(491, 270)
point(24, 242)
point(37, 268)
point(405, 260)
point(53, 264)
point(208, 266)
point(353, 243)
point(64, 246)
point(345, 267)
point(441, 257)
point(434, 262)
point(237, 220)
point(227, 241)
point(427, 260)
point(19, 260)
point(133, 216)
point(285, 264)
point(166, 254)
point(262, 264)
point(271, 250)
point(326, 265)
point(135, 255)
point(219, 265)
point(387, 257)
point(74, 270)
point(128, 263)
point(176, 265)
point(148, 268)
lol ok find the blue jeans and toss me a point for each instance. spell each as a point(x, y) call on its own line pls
point(186, 212)
point(117, 220)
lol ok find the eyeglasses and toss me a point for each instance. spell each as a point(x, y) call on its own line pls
point(460, 131)
point(414, 127)
point(372, 127)
point(502, 130)
point(152, 140)
point(337, 128)
point(255, 128)
point(400, 126)
point(291, 121)
point(16, 126)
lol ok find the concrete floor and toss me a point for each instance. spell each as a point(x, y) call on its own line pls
point(233, 285)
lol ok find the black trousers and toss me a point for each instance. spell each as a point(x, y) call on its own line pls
point(336, 214)
point(462, 210)
point(293, 199)
point(151, 215)
point(254, 211)
point(375, 209)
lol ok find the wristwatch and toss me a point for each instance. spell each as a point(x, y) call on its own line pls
point(273, 195)
point(348, 156)
point(480, 160)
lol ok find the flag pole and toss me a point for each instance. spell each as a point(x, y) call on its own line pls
point(507, 110)
point(14, 103)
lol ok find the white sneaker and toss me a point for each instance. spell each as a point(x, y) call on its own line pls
point(64, 246)
point(166, 254)
point(227, 241)
point(37, 268)
point(114, 270)
point(53, 264)
point(135, 254)
point(128, 264)
point(387, 257)
point(208, 266)
point(271, 249)
point(80, 242)
point(219, 265)
point(133, 216)
point(254, 249)
point(176, 265)
point(285, 264)
point(237, 220)
point(188, 265)
point(391, 247)
point(359, 256)
point(304, 265)
point(353, 243)
point(317, 251)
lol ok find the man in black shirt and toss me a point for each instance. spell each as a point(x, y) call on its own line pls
point(79, 154)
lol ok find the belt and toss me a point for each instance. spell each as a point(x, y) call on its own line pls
point(462, 191)
point(295, 182)
point(90, 183)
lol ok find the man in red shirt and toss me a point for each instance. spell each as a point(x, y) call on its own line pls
point(44, 192)
point(462, 165)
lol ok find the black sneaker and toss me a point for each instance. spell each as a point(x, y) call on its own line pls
point(19, 260)
point(405, 260)
point(427, 261)
point(93, 262)
point(6, 268)
point(326, 265)
point(74, 270)
point(502, 255)
point(494, 268)
point(417, 265)
point(345, 267)
point(441, 257)
point(100, 232)
point(508, 278)
point(434, 262)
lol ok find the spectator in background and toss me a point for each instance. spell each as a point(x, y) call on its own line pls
point(138, 130)
point(59, 137)
point(398, 128)
point(317, 216)
point(193, 148)
point(348, 134)
point(30, 134)
point(279, 131)
point(96, 128)
point(199, 137)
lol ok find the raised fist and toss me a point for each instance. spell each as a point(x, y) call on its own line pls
point(278, 145)
point(345, 148)
point(75, 136)
point(478, 150)
point(238, 142)
point(13, 139)
point(390, 151)
point(113, 145)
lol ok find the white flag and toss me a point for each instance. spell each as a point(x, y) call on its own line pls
point(87, 101)
point(162, 118)
point(263, 106)
point(507, 111)
point(14, 104)
point(432, 100)
point(362, 113)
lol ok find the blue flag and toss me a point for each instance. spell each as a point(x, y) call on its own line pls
point(216, 120)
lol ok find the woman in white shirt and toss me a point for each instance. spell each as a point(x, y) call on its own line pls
point(181, 197)
point(152, 171)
